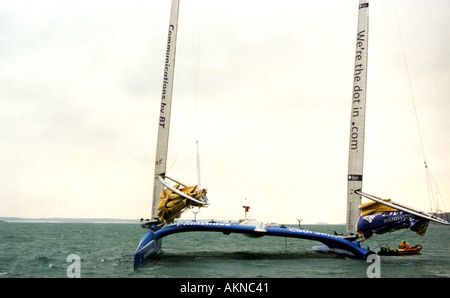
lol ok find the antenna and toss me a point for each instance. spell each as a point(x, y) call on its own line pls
point(195, 214)
point(246, 209)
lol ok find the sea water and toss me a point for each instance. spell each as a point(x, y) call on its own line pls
point(99, 250)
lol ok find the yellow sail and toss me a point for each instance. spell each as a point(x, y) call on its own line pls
point(375, 208)
point(171, 204)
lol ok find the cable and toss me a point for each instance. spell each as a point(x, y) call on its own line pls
point(429, 178)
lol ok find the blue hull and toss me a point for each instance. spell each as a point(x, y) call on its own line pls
point(389, 222)
point(151, 241)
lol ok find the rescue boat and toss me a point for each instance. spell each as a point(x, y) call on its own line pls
point(386, 251)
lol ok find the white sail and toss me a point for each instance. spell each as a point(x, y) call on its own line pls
point(165, 108)
point(357, 120)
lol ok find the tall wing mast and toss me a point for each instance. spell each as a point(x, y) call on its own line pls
point(357, 120)
point(165, 108)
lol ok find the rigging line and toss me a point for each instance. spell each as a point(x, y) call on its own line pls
point(185, 137)
point(430, 188)
point(198, 168)
point(197, 75)
point(410, 85)
point(438, 194)
point(428, 175)
point(194, 113)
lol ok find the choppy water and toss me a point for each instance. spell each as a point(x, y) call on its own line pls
point(31, 250)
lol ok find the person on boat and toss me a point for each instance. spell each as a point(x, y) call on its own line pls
point(404, 245)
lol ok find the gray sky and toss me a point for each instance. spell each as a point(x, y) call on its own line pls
point(265, 86)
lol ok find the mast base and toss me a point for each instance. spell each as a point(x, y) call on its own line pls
point(151, 223)
point(349, 237)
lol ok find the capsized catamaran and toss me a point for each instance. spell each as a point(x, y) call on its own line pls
point(170, 201)
point(379, 215)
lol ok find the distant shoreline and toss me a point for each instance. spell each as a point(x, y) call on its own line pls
point(68, 220)
point(100, 220)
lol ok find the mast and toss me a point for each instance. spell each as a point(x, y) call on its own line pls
point(165, 108)
point(357, 119)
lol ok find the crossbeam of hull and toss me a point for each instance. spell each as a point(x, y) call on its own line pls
point(151, 241)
